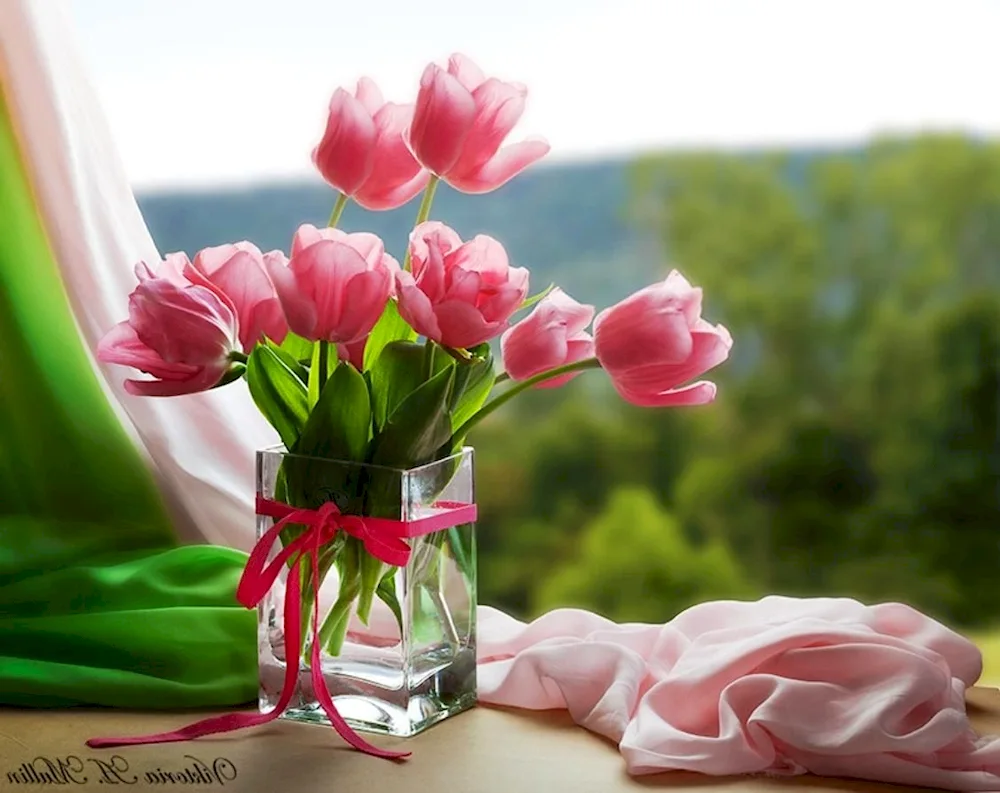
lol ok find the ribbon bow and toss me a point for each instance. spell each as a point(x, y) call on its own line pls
point(382, 538)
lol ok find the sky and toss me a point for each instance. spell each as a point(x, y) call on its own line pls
point(211, 92)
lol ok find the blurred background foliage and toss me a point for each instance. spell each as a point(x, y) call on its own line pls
point(854, 448)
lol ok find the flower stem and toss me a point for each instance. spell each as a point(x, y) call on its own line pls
point(324, 362)
point(334, 628)
point(423, 213)
point(503, 377)
point(338, 210)
point(428, 359)
point(461, 356)
point(524, 385)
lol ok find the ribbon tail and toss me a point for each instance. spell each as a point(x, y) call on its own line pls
point(322, 694)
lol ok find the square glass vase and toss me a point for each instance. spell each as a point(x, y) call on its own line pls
point(408, 663)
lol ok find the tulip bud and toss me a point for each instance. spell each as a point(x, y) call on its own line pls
point(180, 333)
point(552, 335)
point(654, 341)
point(459, 123)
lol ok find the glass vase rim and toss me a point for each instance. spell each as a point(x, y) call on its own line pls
point(279, 448)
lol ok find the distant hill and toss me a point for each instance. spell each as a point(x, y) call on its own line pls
point(566, 223)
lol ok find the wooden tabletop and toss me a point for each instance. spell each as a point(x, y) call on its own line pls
point(486, 750)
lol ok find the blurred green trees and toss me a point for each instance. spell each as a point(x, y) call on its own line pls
point(855, 447)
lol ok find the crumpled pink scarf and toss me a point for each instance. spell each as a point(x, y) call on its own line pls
point(780, 686)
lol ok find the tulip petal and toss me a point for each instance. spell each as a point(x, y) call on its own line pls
point(369, 245)
point(306, 235)
point(484, 255)
point(172, 268)
point(532, 346)
point(122, 346)
point(700, 393)
point(165, 388)
point(464, 286)
point(365, 297)
point(266, 319)
point(344, 155)
point(353, 352)
point(209, 260)
point(504, 166)
point(298, 309)
point(465, 71)
point(383, 198)
point(322, 272)
point(499, 106)
point(394, 166)
point(445, 238)
point(463, 326)
point(631, 335)
point(189, 323)
point(415, 307)
point(368, 94)
point(576, 316)
point(427, 257)
point(245, 282)
point(576, 350)
point(442, 119)
point(708, 350)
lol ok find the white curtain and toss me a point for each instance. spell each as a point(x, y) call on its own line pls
point(201, 447)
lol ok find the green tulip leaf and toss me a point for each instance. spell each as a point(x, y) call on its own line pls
point(278, 393)
point(531, 301)
point(335, 433)
point(339, 425)
point(295, 346)
point(290, 360)
point(399, 371)
point(473, 384)
point(418, 427)
point(390, 327)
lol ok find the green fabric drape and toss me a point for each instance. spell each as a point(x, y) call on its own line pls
point(99, 604)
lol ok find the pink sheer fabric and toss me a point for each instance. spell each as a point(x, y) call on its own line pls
point(780, 686)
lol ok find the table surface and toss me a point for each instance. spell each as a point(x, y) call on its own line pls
point(481, 751)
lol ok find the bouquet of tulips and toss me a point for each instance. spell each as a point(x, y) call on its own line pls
point(353, 356)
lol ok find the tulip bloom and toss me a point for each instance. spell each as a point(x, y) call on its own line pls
point(363, 153)
point(180, 333)
point(240, 272)
point(655, 341)
point(335, 286)
point(460, 121)
point(458, 294)
point(550, 336)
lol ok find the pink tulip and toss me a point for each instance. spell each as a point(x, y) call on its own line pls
point(552, 335)
point(239, 271)
point(363, 153)
point(459, 294)
point(655, 341)
point(335, 286)
point(180, 333)
point(460, 121)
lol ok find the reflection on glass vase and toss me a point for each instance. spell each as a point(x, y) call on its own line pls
point(398, 644)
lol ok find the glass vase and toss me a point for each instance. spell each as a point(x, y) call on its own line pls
point(403, 656)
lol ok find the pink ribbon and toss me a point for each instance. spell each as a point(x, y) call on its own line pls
point(382, 538)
